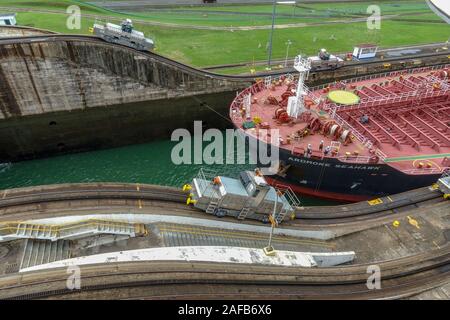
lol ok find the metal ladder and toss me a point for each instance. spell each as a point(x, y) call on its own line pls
point(212, 206)
point(244, 212)
point(280, 216)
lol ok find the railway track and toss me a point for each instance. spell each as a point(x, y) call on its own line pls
point(399, 279)
point(363, 211)
point(290, 61)
point(91, 191)
point(205, 73)
point(15, 203)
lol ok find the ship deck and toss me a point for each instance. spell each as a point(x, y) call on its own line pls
point(407, 127)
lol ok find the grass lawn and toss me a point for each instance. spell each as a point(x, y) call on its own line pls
point(208, 47)
point(205, 48)
point(243, 15)
point(252, 15)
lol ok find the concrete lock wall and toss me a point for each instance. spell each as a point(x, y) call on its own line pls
point(53, 97)
point(76, 95)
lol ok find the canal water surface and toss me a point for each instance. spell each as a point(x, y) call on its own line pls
point(143, 163)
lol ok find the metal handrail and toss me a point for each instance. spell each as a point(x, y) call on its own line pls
point(426, 171)
point(14, 227)
point(289, 194)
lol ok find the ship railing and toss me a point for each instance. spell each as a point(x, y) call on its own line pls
point(446, 172)
point(257, 87)
point(289, 194)
point(390, 99)
point(312, 95)
point(204, 179)
point(367, 143)
point(346, 125)
point(380, 154)
point(362, 159)
point(442, 83)
point(426, 170)
point(330, 106)
point(354, 159)
point(385, 75)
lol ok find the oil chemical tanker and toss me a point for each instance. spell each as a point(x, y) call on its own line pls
point(356, 139)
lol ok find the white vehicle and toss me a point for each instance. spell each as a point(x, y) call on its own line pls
point(325, 61)
point(250, 196)
point(124, 35)
point(365, 51)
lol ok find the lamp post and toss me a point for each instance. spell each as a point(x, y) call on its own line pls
point(274, 8)
point(274, 11)
point(288, 44)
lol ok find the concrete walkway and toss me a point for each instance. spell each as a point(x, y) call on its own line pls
point(147, 219)
point(208, 254)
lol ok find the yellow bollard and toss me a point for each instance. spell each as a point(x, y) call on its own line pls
point(190, 201)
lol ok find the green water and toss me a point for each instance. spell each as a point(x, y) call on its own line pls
point(143, 163)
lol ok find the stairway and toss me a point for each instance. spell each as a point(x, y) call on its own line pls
point(280, 217)
point(90, 228)
point(31, 231)
point(76, 230)
point(38, 252)
point(212, 207)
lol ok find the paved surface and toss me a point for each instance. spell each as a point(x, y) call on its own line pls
point(183, 235)
point(418, 230)
point(217, 254)
point(441, 293)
